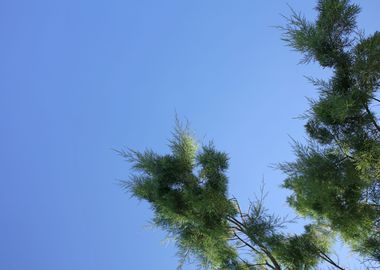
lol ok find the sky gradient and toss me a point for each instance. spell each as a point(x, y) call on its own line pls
point(80, 78)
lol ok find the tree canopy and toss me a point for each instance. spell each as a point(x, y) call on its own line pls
point(334, 179)
point(187, 190)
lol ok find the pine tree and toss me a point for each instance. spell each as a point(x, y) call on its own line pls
point(187, 190)
point(335, 178)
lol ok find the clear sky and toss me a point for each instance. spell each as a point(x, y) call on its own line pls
point(81, 77)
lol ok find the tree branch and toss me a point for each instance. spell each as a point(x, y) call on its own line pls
point(327, 259)
point(373, 119)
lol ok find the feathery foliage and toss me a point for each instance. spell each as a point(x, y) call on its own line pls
point(334, 180)
point(336, 177)
point(188, 193)
point(187, 190)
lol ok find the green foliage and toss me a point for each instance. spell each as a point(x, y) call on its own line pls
point(303, 251)
point(328, 186)
point(336, 177)
point(187, 190)
point(290, 251)
point(192, 207)
point(327, 39)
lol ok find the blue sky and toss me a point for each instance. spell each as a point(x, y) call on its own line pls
point(79, 78)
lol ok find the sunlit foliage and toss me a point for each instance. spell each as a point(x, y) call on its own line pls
point(336, 176)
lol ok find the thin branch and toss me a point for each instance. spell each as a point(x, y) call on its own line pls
point(241, 228)
point(378, 100)
point(247, 244)
point(327, 259)
point(373, 119)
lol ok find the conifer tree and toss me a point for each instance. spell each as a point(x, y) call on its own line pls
point(335, 178)
point(187, 190)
